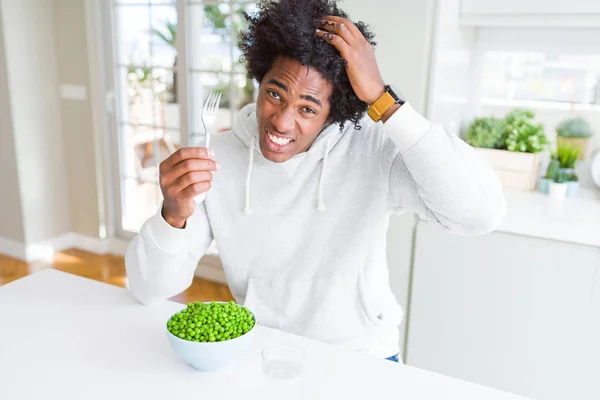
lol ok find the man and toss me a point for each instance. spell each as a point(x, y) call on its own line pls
point(300, 197)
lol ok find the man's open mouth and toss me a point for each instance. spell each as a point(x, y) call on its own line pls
point(277, 142)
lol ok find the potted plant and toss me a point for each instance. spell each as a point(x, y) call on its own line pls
point(575, 132)
point(567, 155)
point(552, 171)
point(557, 189)
point(515, 156)
point(486, 133)
point(572, 185)
point(522, 133)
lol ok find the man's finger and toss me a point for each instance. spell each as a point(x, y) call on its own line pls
point(187, 153)
point(196, 189)
point(339, 28)
point(191, 178)
point(189, 165)
point(347, 24)
point(335, 40)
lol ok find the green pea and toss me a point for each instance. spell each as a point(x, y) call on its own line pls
point(212, 322)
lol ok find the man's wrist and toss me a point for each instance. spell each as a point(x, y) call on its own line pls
point(386, 115)
point(175, 222)
point(377, 93)
point(392, 108)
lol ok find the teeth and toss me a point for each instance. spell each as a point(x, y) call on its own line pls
point(278, 140)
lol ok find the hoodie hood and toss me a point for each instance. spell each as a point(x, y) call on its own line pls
point(246, 129)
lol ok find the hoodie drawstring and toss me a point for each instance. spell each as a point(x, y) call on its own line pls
point(320, 203)
point(247, 208)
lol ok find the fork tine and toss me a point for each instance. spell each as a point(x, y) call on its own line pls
point(217, 102)
point(208, 100)
point(214, 98)
point(211, 106)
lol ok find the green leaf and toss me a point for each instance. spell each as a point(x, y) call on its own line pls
point(522, 133)
point(567, 156)
point(485, 133)
point(170, 36)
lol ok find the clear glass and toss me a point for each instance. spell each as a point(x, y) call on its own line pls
point(282, 361)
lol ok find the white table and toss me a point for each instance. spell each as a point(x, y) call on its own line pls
point(67, 337)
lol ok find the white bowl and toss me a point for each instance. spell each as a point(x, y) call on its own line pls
point(211, 356)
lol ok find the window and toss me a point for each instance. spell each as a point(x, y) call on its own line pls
point(213, 61)
point(147, 118)
point(541, 76)
point(554, 72)
point(168, 55)
point(547, 65)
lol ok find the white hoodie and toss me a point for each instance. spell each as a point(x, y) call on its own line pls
point(303, 243)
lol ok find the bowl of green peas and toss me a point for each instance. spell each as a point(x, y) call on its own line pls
point(211, 336)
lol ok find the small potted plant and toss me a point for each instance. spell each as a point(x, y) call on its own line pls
point(575, 132)
point(567, 155)
point(485, 133)
point(557, 189)
point(515, 155)
point(552, 171)
point(572, 185)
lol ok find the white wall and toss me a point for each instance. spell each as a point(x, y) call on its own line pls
point(11, 218)
point(77, 123)
point(36, 126)
point(403, 31)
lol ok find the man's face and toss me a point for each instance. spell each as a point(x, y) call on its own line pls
point(292, 109)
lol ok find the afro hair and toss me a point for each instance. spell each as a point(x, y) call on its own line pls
point(288, 28)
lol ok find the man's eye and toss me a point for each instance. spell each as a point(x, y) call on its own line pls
point(274, 94)
point(309, 110)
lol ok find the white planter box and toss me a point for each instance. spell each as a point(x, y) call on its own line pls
point(515, 170)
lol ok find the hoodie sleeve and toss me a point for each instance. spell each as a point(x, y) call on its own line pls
point(161, 260)
point(440, 177)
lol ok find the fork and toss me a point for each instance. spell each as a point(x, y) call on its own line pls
point(209, 113)
point(208, 117)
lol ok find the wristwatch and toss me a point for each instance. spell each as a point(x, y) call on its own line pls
point(385, 102)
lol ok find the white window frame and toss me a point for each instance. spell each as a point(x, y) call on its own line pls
point(528, 40)
point(102, 16)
